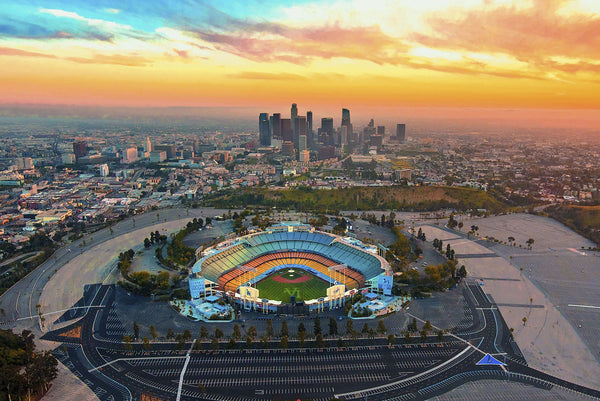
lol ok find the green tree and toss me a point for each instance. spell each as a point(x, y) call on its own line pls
point(153, 332)
point(187, 335)
point(218, 333)
point(381, 329)
point(423, 336)
point(407, 337)
point(365, 329)
point(301, 328)
point(136, 330)
point(170, 334)
point(232, 344)
point(412, 326)
point(214, 344)
point(283, 344)
point(317, 326)
point(302, 338)
point(349, 327)
point(440, 335)
point(146, 343)
point(269, 329)
point(332, 326)
point(391, 339)
point(252, 332)
point(319, 341)
point(201, 387)
point(236, 332)
point(284, 329)
point(203, 332)
point(127, 343)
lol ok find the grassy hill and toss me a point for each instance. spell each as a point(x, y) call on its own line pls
point(426, 198)
point(584, 220)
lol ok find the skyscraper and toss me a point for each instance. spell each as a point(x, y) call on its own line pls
point(276, 125)
point(80, 149)
point(401, 132)
point(345, 123)
point(299, 129)
point(326, 131)
point(327, 125)
point(263, 129)
point(309, 130)
point(293, 114)
point(148, 145)
point(345, 116)
point(286, 130)
point(381, 130)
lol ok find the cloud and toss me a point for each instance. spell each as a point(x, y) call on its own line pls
point(182, 53)
point(532, 34)
point(266, 41)
point(115, 59)
point(7, 51)
point(267, 76)
point(90, 21)
point(112, 10)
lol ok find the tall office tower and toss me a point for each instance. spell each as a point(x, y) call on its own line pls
point(171, 150)
point(327, 125)
point(346, 123)
point(401, 132)
point(310, 136)
point(148, 145)
point(277, 126)
point(287, 149)
point(301, 143)
point(80, 149)
point(293, 114)
point(129, 155)
point(381, 131)
point(376, 140)
point(344, 135)
point(263, 129)
point(368, 131)
point(299, 129)
point(286, 130)
point(345, 116)
point(326, 131)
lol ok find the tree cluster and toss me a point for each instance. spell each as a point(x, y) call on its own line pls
point(155, 238)
point(177, 251)
point(25, 373)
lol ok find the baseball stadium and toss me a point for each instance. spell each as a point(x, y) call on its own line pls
point(290, 268)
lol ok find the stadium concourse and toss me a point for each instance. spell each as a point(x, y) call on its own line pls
point(289, 268)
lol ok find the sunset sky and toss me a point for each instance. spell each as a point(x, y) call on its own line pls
point(461, 53)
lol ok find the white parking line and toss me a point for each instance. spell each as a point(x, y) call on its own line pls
point(584, 306)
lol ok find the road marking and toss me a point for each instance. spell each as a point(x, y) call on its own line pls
point(134, 359)
point(58, 311)
point(185, 365)
point(471, 348)
point(584, 306)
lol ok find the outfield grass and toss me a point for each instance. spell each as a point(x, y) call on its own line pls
point(311, 289)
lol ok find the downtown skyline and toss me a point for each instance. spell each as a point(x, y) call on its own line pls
point(489, 54)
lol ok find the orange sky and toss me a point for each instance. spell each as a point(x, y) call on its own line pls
point(355, 53)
